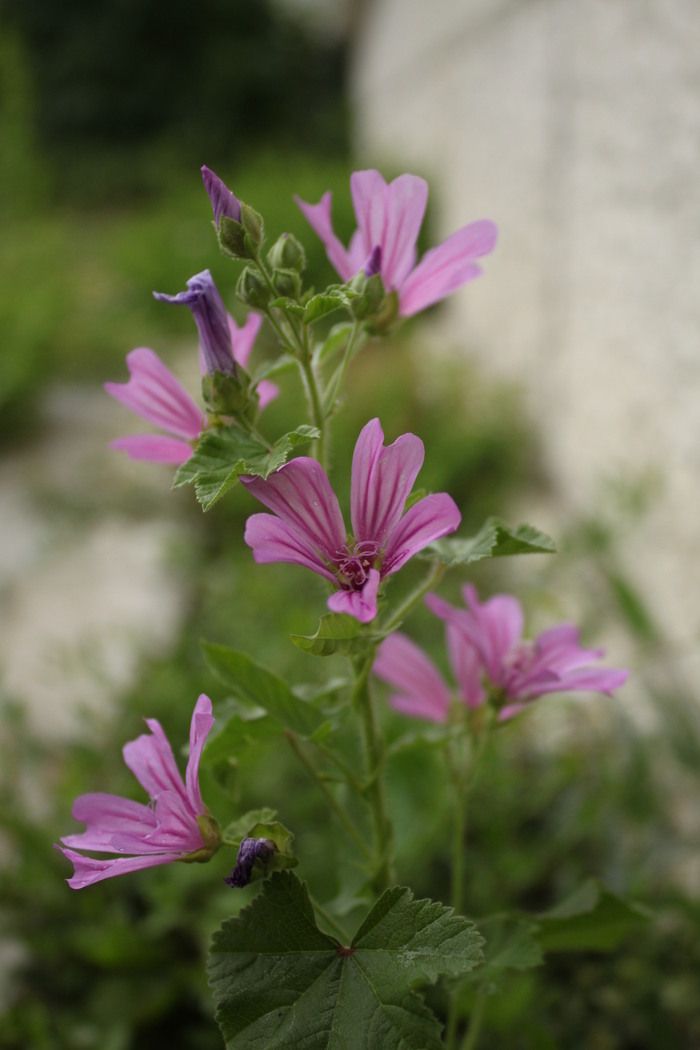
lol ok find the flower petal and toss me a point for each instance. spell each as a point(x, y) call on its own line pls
point(154, 393)
point(401, 663)
point(267, 392)
point(88, 870)
point(301, 495)
point(274, 540)
point(382, 479)
point(369, 198)
point(406, 200)
point(466, 664)
point(200, 727)
point(155, 448)
point(243, 337)
point(319, 219)
point(417, 707)
point(150, 758)
point(428, 520)
point(360, 604)
point(444, 269)
point(496, 629)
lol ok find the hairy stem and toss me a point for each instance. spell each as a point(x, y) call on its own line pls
point(432, 579)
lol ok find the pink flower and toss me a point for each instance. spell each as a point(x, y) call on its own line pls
point(307, 527)
point(490, 660)
point(389, 218)
point(176, 825)
point(154, 393)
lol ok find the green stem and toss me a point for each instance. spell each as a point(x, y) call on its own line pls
point(315, 402)
point(338, 378)
point(338, 810)
point(477, 1016)
point(375, 757)
point(342, 765)
point(431, 580)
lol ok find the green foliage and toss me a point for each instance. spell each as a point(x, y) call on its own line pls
point(223, 454)
point(336, 633)
point(494, 539)
point(278, 981)
point(590, 919)
point(259, 687)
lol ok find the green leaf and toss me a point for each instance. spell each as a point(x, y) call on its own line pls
point(224, 453)
point(325, 303)
point(591, 919)
point(335, 340)
point(494, 539)
point(239, 829)
point(288, 306)
point(511, 944)
point(278, 366)
point(235, 730)
point(336, 633)
point(259, 687)
point(279, 982)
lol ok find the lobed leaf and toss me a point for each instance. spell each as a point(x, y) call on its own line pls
point(591, 919)
point(494, 539)
point(278, 981)
point(336, 633)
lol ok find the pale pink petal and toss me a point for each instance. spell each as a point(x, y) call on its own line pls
point(301, 495)
point(417, 707)
point(369, 198)
point(319, 218)
point(243, 337)
point(559, 648)
point(273, 540)
point(156, 395)
point(496, 629)
point(444, 269)
point(407, 197)
point(466, 664)
point(586, 679)
point(267, 392)
point(200, 727)
point(404, 665)
point(155, 448)
point(428, 520)
point(382, 479)
point(107, 816)
point(360, 604)
point(177, 825)
point(150, 758)
point(89, 870)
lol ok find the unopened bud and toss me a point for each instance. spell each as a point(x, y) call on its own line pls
point(252, 289)
point(253, 225)
point(287, 283)
point(251, 852)
point(287, 254)
point(223, 201)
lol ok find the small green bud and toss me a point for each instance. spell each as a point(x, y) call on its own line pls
point(254, 227)
point(232, 238)
point(370, 299)
point(287, 254)
point(385, 317)
point(287, 283)
point(252, 289)
point(228, 395)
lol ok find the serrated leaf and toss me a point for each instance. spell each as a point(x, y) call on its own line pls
point(494, 539)
point(257, 686)
point(225, 453)
point(336, 633)
point(591, 919)
point(279, 982)
point(287, 305)
point(324, 303)
point(239, 829)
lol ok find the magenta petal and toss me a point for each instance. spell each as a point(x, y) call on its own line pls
point(360, 604)
point(273, 540)
point(496, 629)
point(404, 665)
point(319, 219)
point(155, 448)
point(428, 520)
point(417, 707)
point(407, 197)
point(587, 679)
point(382, 479)
point(369, 198)
point(200, 727)
point(109, 816)
point(444, 269)
point(156, 395)
point(243, 337)
point(267, 392)
point(301, 495)
point(466, 664)
point(89, 870)
point(150, 758)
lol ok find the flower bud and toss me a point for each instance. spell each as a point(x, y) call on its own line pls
point(287, 254)
point(287, 283)
point(252, 853)
point(371, 296)
point(223, 201)
point(254, 227)
point(252, 289)
point(210, 316)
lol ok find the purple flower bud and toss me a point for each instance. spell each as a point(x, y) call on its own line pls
point(374, 263)
point(210, 316)
point(249, 851)
point(223, 201)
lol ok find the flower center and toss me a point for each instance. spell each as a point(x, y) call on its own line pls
point(353, 562)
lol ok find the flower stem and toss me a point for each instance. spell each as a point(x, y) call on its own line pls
point(432, 579)
point(315, 402)
point(343, 817)
point(477, 1016)
point(375, 757)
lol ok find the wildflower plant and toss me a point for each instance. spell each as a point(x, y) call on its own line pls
point(287, 971)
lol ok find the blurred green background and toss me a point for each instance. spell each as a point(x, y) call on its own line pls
point(106, 113)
